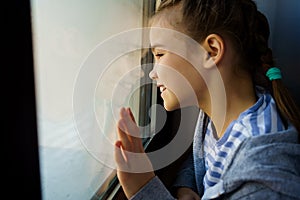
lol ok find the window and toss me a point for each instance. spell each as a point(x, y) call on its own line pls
point(78, 94)
point(20, 117)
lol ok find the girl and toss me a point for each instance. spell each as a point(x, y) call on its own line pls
point(253, 152)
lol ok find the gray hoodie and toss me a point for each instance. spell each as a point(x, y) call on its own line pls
point(264, 167)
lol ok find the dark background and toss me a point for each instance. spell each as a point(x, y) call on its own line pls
point(284, 20)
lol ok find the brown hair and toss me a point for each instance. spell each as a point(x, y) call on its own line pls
point(248, 30)
point(285, 103)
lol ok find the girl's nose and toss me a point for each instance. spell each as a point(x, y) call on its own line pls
point(153, 74)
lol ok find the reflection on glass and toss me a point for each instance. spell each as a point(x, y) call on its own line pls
point(65, 32)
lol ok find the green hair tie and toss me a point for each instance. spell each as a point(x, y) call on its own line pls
point(274, 73)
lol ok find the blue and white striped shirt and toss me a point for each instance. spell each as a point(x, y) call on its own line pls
point(261, 118)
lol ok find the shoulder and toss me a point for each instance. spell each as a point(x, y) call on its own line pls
point(270, 161)
point(268, 149)
point(253, 191)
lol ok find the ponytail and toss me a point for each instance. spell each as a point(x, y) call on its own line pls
point(286, 105)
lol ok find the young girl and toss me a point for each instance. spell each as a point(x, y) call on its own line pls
point(253, 153)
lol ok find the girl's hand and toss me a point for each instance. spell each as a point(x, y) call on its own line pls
point(134, 169)
point(187, 194)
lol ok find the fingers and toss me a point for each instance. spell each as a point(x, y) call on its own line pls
point(130, 126)
point(129, 151)
point(131, 115)
point(121, 158)
point(125, 138)
point(131, 162)
point(129, 132)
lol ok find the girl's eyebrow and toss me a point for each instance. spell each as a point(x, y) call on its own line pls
point(153, 49)
point(157, 44)
point(161, 47)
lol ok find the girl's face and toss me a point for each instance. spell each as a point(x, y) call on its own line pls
point(179, 82)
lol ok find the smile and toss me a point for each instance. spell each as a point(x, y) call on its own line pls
point(162, 88)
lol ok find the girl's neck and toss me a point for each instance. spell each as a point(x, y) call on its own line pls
point(240, 95)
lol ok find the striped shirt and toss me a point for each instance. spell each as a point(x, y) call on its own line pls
point(261, 118)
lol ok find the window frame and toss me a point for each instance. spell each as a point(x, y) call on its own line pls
point(21, 153)
point(111, 188)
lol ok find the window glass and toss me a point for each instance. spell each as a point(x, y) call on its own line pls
point(76, 133)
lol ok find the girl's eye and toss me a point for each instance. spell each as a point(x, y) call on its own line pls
point(159, 55)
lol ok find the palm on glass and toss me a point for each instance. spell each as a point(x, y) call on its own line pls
point(134, 169)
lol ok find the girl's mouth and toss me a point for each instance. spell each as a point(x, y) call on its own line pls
point(162, 89)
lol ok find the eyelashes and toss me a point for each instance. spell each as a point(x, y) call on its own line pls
point(159, 55)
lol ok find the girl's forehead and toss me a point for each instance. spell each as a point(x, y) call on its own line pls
point(161, 35)
point(158, 39)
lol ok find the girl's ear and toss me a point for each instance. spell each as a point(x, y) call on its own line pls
point(214, 46)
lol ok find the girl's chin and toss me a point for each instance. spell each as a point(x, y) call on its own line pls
point(171, 107)
point(170, 100)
